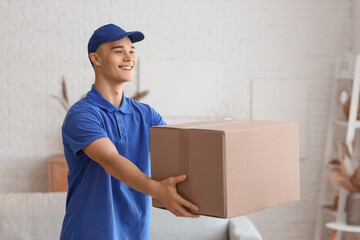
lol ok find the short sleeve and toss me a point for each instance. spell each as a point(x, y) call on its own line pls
point(80, 128)
point(157, 118)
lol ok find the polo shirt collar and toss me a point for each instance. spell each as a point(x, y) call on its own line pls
point(99, 100)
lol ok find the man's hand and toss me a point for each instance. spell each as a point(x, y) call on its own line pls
point(166, 193)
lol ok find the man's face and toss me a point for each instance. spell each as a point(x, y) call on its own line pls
point(116, 60)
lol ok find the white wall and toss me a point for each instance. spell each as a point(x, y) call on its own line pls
point(356, 26)
point(290, 40)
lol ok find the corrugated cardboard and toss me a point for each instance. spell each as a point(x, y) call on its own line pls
point(233, 167)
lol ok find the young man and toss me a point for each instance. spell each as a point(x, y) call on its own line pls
point(106, 145)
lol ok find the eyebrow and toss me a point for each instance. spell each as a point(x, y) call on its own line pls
point(120, 46)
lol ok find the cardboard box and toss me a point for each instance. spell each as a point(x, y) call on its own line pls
point(234, 167)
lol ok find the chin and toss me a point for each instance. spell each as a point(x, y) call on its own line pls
point(122, 79)
point(126, 78)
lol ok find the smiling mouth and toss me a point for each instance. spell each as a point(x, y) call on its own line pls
point(128, 68)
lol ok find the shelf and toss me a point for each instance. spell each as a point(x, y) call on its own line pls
point(344, 77)
point(339, 122)
point(344, 123)
point(342, 227)
point(329, 208)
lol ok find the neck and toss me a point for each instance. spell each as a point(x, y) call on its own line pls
point(111, 92)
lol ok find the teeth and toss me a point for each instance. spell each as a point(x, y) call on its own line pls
point(127, 68)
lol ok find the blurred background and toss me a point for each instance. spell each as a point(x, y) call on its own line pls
point(213, 59)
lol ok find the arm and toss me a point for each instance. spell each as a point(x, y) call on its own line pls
point(104, 152)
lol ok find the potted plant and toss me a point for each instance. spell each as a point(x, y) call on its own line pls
point(340, 178)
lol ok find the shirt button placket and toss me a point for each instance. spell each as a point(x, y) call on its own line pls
point(119, 124)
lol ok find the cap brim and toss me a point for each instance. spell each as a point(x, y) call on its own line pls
point(134, 36)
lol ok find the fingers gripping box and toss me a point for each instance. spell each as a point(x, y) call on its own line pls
point(233, 167)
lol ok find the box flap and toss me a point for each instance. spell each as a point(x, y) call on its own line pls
point(226, 125)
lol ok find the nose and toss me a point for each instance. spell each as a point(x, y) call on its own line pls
point(128, 57)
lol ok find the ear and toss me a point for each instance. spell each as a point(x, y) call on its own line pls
point(95, 58)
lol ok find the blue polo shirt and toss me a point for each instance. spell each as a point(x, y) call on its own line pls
point(98, 206)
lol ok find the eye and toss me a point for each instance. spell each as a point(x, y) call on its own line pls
point(118, 51)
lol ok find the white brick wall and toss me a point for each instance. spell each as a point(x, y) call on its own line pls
point(41, 41)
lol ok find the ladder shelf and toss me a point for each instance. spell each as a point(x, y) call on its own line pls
point(347, 70)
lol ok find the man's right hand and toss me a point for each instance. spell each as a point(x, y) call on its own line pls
point(166, 193)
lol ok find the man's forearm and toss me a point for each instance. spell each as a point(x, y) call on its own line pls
point(127, 172)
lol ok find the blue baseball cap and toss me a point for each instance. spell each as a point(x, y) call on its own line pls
point(108, 33)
